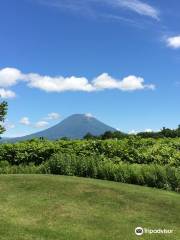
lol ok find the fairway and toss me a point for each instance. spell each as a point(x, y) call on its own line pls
point(47, 207)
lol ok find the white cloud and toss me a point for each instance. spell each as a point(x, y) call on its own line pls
point(138, 7)
point(130, 83)
point(9, 77)
point(25, 121)
point(90, 7)
point(61, 84)
point(53, 116)
point(41, 124)
point(58, 84)
point(173, 42)
point(133, 132)
point(148, 130)
point(89, 115)
point(6, 93)
point(104, 81)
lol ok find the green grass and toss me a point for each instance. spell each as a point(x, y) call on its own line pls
point(46, 207)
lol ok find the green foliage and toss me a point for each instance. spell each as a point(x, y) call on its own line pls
point(27, 152)
point(107, 135)
point(152, 175)
point(3, 112)
point(132, 150)
point(164, 133)
point(6, 168)
point(150, 162)
point(97, 167)
point(89, 136)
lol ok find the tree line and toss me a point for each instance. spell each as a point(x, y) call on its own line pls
point(163, 133)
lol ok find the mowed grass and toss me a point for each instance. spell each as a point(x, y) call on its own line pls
point(46, 207)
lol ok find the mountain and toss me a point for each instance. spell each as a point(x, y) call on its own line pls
point(75, 127)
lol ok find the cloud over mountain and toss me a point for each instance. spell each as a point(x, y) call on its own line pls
point(72, 83)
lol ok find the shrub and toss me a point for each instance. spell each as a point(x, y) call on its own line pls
point(131, 150)
point(97, 167)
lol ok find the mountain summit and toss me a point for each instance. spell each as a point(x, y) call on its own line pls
point(75, 127)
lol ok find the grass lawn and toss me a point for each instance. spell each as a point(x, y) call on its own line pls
point(46, 207)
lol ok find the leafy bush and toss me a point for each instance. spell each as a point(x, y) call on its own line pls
point(130, 150)
point(151, 175)
point(150, 162)
point(100, 167)
point(21, 169)
point(27, 152)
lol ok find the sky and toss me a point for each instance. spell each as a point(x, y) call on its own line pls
point(118, 60)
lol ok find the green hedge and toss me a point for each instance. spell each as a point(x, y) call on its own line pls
point(131, 150)
point(151, 175)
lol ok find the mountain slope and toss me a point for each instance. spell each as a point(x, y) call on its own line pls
point(75, 126)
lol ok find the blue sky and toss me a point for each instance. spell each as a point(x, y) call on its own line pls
point(116, 59)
